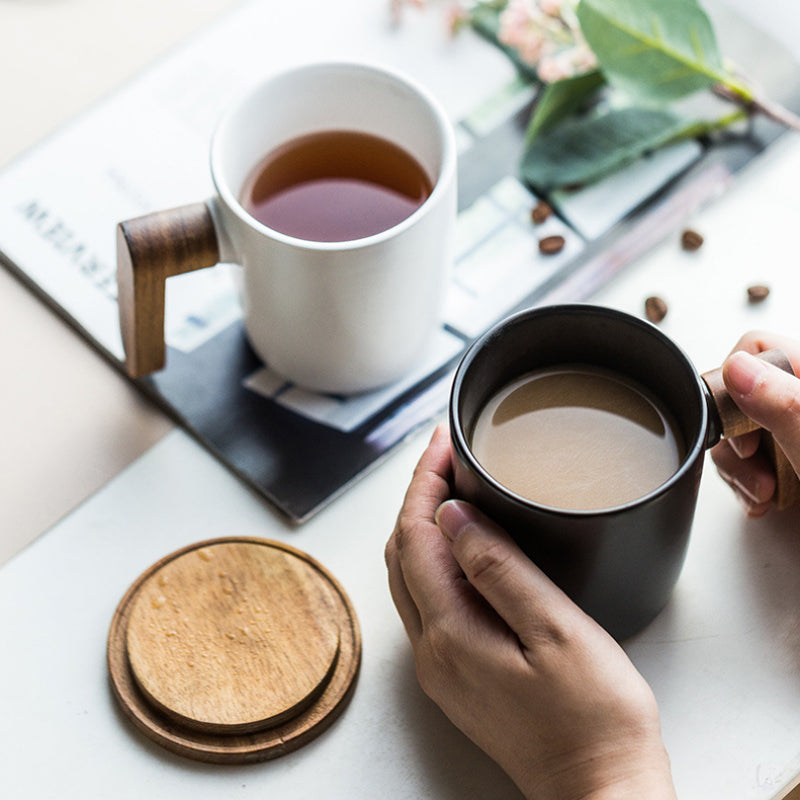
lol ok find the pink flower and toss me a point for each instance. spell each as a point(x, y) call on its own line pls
point(553, 68)
point(546, 35)
point(396, 8)
point(520, 29)
point(584, 58)
point(566, 63)
point(456, 17)
point(551, 7)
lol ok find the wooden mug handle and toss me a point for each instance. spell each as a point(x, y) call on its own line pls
point(150, 249)
point(733, 422)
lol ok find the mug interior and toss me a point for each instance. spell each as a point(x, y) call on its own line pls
point(327, 97)
point(578, 334)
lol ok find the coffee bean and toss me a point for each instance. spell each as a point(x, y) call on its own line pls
point(757, 293)
point(551, 245)
point(540, 212)
point(691, 240)
point(655, 309)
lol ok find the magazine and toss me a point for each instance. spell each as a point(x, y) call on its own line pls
point(145, 148)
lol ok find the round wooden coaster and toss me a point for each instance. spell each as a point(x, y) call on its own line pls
point(234, 650)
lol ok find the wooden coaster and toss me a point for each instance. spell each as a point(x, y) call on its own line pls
point(234, 650)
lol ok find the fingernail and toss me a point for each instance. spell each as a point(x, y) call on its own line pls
point(743, 372)
point(453, 516)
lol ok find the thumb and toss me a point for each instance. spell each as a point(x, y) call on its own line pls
point(769, 396)
point(508, 580)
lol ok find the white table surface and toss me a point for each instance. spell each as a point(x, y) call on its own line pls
point(723, 659)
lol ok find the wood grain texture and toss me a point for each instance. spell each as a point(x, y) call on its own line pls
point(734, 423)
point(233, 637)
point(151, 249)
point(234, 650)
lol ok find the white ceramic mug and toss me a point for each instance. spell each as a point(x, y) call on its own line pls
point(339, 317)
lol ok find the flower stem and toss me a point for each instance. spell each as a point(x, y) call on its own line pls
point(759, 104)
point(707, 127)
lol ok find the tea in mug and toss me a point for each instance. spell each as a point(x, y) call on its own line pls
point(577, 437)
point(335, 186)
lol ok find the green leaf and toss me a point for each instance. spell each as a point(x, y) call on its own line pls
point(580, 151)
point(655, 50)
point(560, 99)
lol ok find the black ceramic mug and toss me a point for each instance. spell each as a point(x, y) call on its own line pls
point(620, 564)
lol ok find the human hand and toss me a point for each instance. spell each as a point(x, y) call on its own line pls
point(770, 397)
point(511, 660)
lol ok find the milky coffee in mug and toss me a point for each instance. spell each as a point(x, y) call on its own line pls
point(617, 557)
point(577, 437)
point(589, 365)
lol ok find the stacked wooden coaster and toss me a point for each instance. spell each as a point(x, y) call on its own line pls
point(234, 650)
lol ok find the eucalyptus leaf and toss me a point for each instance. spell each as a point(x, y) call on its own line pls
point(580, 151)
point(655, 50)
point(560, 99)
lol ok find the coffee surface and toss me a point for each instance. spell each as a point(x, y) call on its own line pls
point(577, 438)
point(335, 186)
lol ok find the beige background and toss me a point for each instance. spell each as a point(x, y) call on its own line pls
point(68, 421)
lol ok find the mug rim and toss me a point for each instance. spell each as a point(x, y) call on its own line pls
point(441, 181)
point(464, 450)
